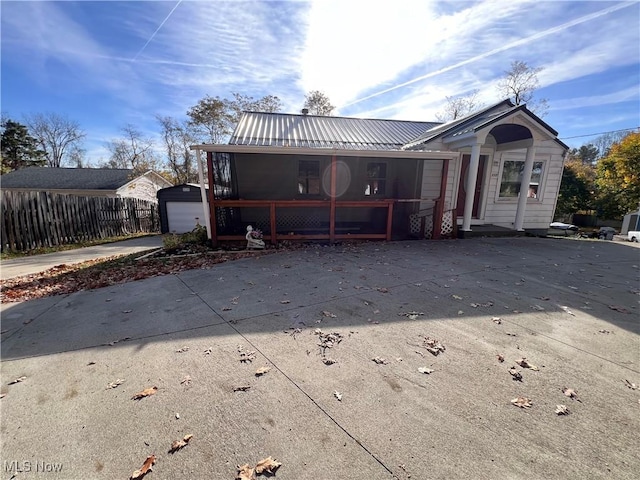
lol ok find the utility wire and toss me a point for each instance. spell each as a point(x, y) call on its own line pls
point(602, 133)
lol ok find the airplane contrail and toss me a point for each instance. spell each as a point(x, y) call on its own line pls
point(508, 46)
point(157, 30)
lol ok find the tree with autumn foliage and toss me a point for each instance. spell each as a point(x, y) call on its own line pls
point(577, 188)
point(618, 178)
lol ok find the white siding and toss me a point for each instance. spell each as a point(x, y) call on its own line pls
point(431, 179)
point(539, 212)
point(141, 187)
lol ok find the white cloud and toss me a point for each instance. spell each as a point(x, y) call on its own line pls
point(626, 95)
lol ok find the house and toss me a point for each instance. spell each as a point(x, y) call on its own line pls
point(88, 182)
point(334, 178)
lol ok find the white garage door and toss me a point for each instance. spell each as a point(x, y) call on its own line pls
point(183, 216)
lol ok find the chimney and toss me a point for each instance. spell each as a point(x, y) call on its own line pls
point(305, 111)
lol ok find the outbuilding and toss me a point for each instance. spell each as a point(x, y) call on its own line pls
point(180, 208)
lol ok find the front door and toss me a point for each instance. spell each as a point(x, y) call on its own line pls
point(462, 194)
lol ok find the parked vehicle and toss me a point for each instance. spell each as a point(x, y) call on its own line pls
point(606, 233)
point(563, 226)
point(633, 236)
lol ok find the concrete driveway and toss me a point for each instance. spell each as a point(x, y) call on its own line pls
point(39, 263)
point(570, 307)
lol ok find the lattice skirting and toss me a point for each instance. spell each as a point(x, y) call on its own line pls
point(415, 222)
point(447, 223)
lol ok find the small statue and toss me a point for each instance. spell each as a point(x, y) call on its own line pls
point(254, 238)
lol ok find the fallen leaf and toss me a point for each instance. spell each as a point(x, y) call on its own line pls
point(268, 465)
point(242, 388)
point(207, 351)
point(562, 410)
point(146, 468)
point(115, 384)
point(262, 370)
point(497, 320)
point(27, 322)
point(380, 361)
point(538, 308)
point(433, 346)
point(226, 309)
point(338, 395)
point(2, 395)
point(460, 312)
point(511, 334)
point(619, 309)
point(515, 374)
point(182, 350)
point(329, 361)
point(91, 363)
point(604, 331)
point(245, 472)
point(178, 444)
point(457, 297)
point(571, 393)
point(177, 416)
point(17, 380)
point(382, 290)
point(525, 364)
point(246, 356)
point(186, 380)
point(544, 298)
point(500, 357)
point(147, 392)
point(127, 311)
point(328, 314)
point(632, 386)
point(425, 370)
point(522, 402)
point(284, 302)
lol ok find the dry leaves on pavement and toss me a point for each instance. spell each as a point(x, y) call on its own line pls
point(246, 356)
point(562, 410)
point(433, 346)
point(328, 314)
point(147, 392)
point(262, 370)
point(632, 386)
point(618, 308)
point(17, 380)
point(425, 370)
point(522, 402)
point(268, 465)
point(179, 444)
point(380, 361)
point(571, 393)
point(242, 388)
point(525, 364)
point(515, 374)
point(338, 395)
point(245, 472)
point(115, 384)
point(146, 468)
point(500, 357)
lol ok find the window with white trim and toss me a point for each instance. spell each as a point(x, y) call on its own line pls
point(511, 180)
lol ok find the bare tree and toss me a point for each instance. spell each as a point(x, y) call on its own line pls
point(132, 150)
point(318, 103)
point(177, 138)
point(458, 107)
point(519, 84)
point(56, 134)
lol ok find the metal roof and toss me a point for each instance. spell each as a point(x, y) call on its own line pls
point(45, 178)
point(312, 131)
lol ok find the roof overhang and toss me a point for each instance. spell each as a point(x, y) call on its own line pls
point(408, 154)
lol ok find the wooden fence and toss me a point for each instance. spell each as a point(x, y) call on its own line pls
point(40, 219)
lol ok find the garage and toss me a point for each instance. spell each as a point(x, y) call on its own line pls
point(180, 208)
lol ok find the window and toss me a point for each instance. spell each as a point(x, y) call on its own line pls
point(376, 179)
point(512, 177)
point(309, 177)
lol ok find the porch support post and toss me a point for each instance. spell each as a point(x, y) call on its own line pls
point(332, 199)
point(524, 188)
point(438, 210)
point(272, 223)
point(470, 187)
point(389, 220)
point(212, 206)
point(203, 194)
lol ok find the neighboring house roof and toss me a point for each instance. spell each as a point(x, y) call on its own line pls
point(44, 178)
point(313, 131)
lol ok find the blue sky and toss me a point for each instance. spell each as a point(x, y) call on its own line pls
point(107, 64)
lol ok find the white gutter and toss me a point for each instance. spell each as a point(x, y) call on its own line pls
point(418, 155)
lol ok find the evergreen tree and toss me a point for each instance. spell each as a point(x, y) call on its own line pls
point(18, 148)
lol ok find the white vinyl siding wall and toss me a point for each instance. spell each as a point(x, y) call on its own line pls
point(539, 213)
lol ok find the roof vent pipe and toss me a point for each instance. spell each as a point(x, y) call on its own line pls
point(305, 111)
